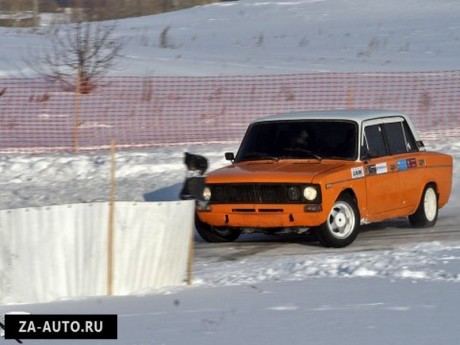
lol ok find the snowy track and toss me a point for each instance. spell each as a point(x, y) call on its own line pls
point(387, 250)
point(388, 235)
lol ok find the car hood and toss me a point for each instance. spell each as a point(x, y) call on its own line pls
point(292, 171)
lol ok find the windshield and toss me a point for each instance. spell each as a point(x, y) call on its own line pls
point(315, 139)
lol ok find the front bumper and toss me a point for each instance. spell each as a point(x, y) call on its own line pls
point(262, 215)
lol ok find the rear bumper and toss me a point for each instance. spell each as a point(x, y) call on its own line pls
point(263, 216)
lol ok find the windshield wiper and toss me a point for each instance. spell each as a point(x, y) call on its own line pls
point(308, 152)
point(257, 156)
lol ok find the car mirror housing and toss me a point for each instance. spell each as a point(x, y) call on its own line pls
point(230, 156)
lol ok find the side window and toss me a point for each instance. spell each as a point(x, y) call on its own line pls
point(400, 138)
point(375, 141)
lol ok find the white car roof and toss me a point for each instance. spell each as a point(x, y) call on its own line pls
point(354, 115)
point(358, 115)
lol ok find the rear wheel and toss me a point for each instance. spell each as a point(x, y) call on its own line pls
point(426, 214)
point(216, 234)
point(342, 224)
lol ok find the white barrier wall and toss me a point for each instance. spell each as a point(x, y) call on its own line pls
point(56, 252)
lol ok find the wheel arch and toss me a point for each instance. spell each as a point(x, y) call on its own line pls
point(426, 213)
point(341, 227)
point(351, 193)
point(338, 193)
point(431, 183)
point(424, 186)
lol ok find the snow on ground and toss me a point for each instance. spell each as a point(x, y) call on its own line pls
point(316, 311)
point(407, 295)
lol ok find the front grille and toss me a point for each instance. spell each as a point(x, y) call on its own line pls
point(255, 193)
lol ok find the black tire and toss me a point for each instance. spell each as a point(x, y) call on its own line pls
point(342, 224)
point(426, 214)
point(318, 235)
point(210, 233)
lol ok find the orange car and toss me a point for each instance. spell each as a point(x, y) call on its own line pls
point(327, 172)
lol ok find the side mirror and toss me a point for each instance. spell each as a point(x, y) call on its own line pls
point(367, 154)
point(421, 145)
point(229, 156)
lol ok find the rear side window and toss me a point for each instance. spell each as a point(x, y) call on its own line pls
point(395, 136)
point(400, 138)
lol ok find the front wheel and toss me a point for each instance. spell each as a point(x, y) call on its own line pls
point(342, 224)
point(211, 233)
point(426, 214)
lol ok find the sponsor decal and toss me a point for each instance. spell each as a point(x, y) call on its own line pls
point(371, 169)
point(411, 163)
point(405, 164)
point(381, 168)
point(357, 172)
point(402, 164)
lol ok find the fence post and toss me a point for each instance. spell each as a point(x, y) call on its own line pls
point(36, 13)
point(76, 113)
point(350, 99)
point(2, 92)
point(110, 238)
point(191, 256)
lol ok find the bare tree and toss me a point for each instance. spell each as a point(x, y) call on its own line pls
point(83, 51)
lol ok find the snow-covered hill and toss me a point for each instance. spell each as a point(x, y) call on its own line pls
point(276, 36)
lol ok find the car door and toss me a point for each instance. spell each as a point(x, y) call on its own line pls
point(383, 191)
point(409, 161)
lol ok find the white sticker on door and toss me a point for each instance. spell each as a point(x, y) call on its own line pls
point(357, 172)
point(381, 168)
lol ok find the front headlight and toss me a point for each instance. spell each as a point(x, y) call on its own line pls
point(310, 193)
point(207, 193)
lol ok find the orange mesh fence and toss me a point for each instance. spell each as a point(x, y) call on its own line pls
point(37, 116)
